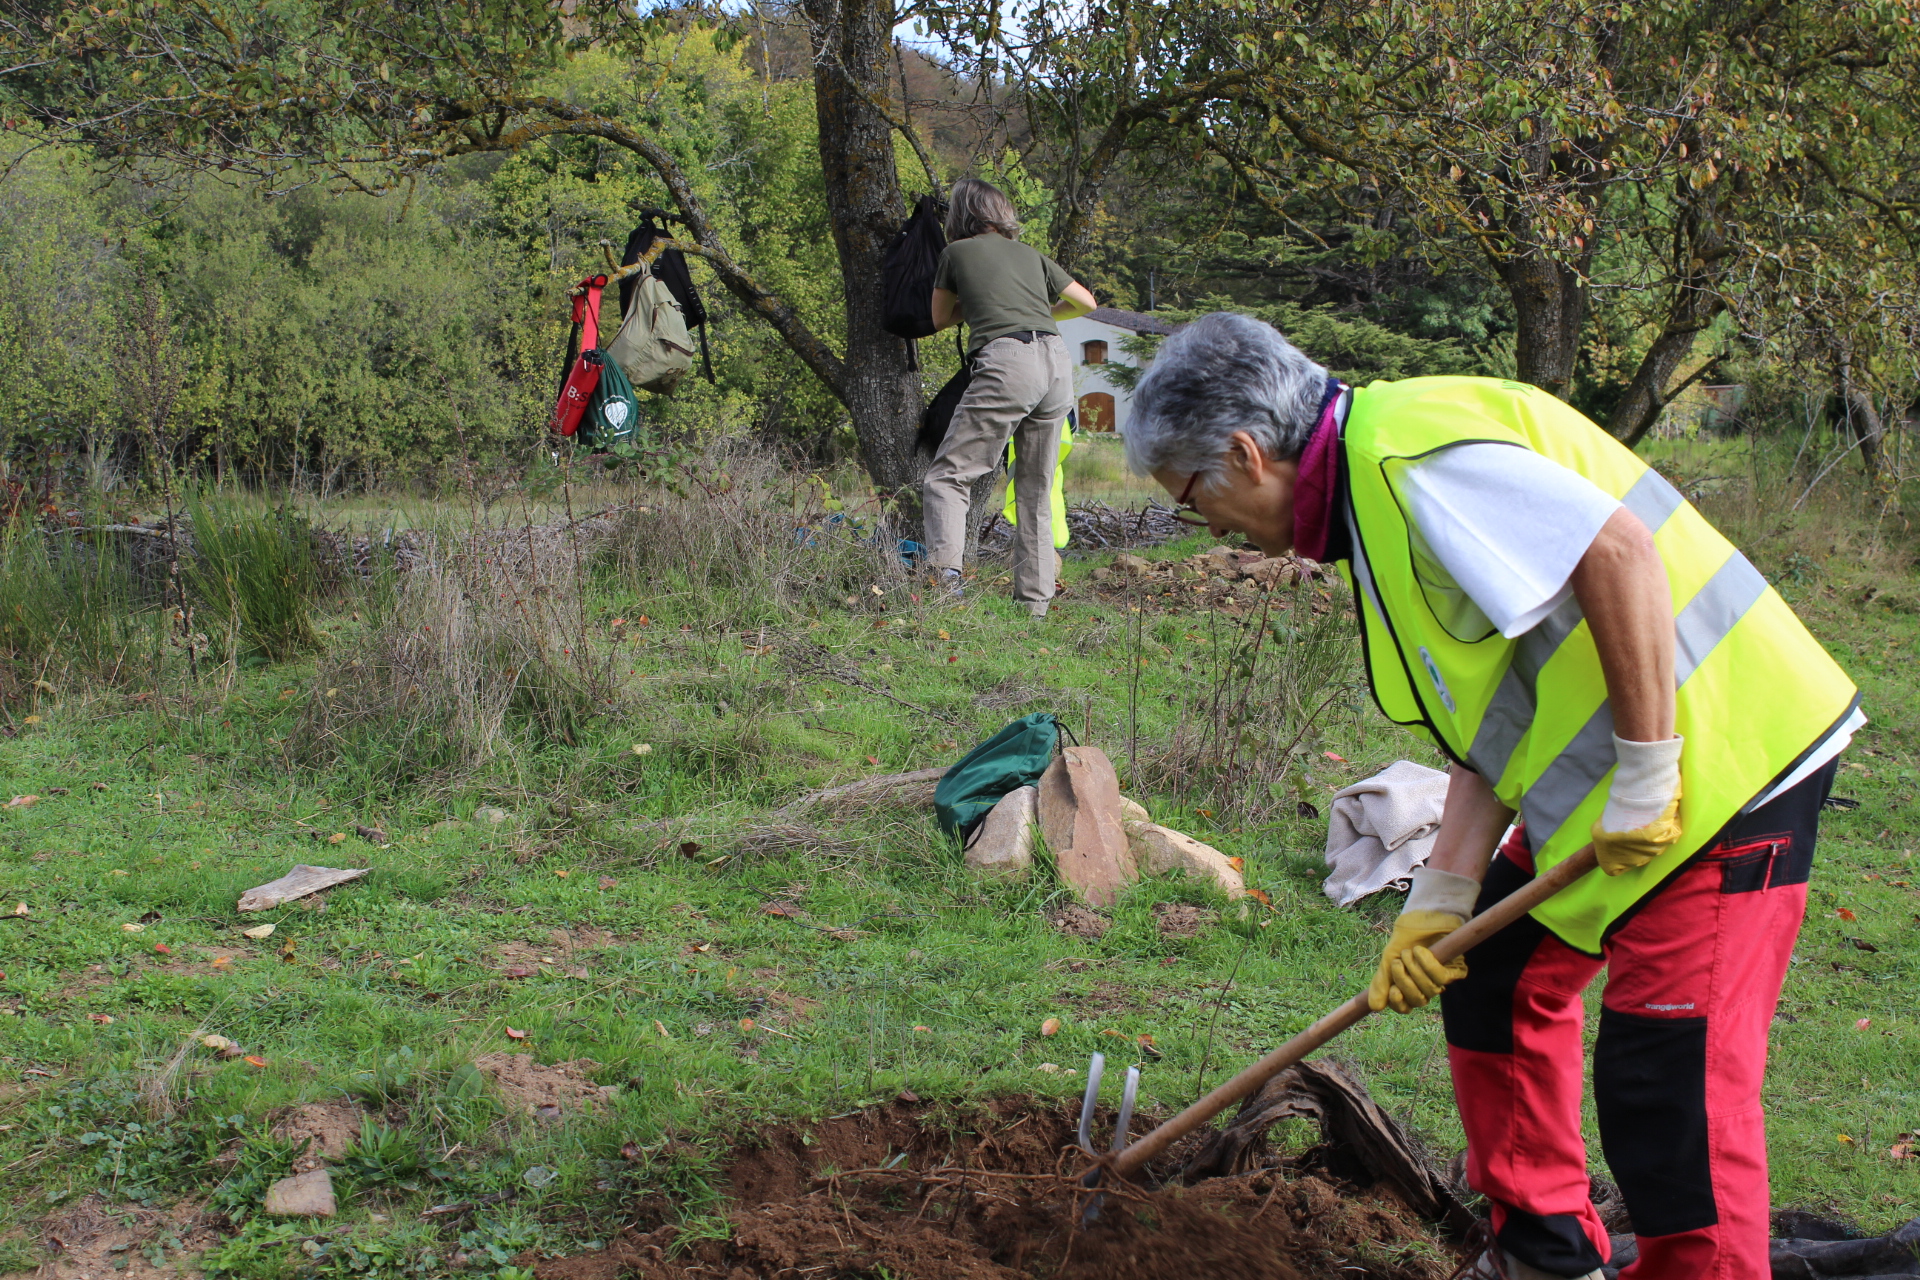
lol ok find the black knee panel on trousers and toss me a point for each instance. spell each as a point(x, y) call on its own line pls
point(1650, 1089)
point(1478, 1009)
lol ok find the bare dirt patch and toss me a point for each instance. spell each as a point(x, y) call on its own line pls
point(545, 1092)
point(522, 960)
point(95, 1239)
point(322, 1131)
point(1181, 920)
point(1080, 922)
point(989, 1196)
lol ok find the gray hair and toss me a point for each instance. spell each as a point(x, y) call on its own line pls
point(1223, 373)
point(977, 206)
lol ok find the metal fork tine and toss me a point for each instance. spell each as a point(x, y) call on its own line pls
point(1095, 1070)
point(1126, 1110)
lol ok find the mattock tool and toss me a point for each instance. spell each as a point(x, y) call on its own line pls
point(1126, 1159)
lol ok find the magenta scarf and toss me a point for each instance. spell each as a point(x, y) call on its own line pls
point(1318, 485)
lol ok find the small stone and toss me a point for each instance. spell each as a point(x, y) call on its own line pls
point(491, 816)
point(1131, 564)
point(305, 1195)
point(1003, 844)
point(1160, 849)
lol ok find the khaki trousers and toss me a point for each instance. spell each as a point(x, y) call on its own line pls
point(1023, 390)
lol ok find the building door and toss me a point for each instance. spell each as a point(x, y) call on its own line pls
point(1096, 411)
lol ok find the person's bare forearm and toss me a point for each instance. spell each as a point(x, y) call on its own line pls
point(1621, 584)
point(1470, 825)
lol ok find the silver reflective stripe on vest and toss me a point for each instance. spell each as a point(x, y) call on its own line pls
point(1714, 610)
point(1652, 499)
point(1707, 619)
point(1510, 711)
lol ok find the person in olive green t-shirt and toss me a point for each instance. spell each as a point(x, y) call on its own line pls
point(1022, 386)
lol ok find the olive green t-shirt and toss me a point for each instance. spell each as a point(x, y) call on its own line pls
point(1004, 286)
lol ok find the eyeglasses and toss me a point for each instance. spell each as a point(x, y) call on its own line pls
point(1183, 510)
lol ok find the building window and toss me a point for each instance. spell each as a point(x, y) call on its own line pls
point(1094, 352)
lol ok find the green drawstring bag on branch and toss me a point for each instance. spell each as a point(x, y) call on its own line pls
point(613, 415)
point(1013, 758)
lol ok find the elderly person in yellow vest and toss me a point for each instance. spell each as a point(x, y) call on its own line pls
point(1010, 295)
point(1601, 666)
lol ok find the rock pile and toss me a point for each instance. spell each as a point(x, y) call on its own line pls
point(1222, 578)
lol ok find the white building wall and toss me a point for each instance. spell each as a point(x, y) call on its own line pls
point(1088, 377)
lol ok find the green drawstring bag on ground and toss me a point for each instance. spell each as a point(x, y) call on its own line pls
point(1013, 758)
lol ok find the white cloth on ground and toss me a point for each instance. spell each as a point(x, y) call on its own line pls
point(1381, 829)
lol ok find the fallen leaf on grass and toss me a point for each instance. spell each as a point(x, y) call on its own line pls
point(1861, 944)
point(20, 802)
point(1901, 1151)
point(372, 835)
point(513, 1034)
point(518, 971)
point(1260, 896)
point(784, 910)
point(1147, 1045)
point(1051, 1027)
point(336, 837)
point(661, 1028)
point(255, 1060)
point(163, 948)
point(218, 1042)
point(1048, 1067)
point(922, 1028)
point(1845, 1137)
point(102, 1018)
point(259, 931)
point(1238, 864)
point(21, 910)
point(132, 928)
point(689, 848)
point(1329, 755)
point(608, 882)
point(1845, 914)
point(1863, 1024)
point(221, 962)
point(873, 760)
point(746, 1024)
point(1111, 1032)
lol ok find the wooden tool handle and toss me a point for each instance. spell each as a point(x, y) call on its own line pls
point(1461, 940)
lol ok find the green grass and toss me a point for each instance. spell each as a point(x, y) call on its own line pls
point(707, 1012)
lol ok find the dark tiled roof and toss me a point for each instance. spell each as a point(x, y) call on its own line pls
point(1137, 321)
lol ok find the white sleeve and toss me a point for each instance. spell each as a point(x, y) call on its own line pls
point(1508, 524)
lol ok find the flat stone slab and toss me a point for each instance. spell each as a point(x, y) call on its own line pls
point(305, 1195)
point(297, 883)
point(1159, 849)
point(1080, 815)
point(1003, 844)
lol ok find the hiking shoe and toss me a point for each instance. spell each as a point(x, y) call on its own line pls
point(1486, 1260)
point(948, 580)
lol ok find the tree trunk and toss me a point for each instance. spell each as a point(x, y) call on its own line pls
point(1550, 307)
point(1702, 253)
point(1862, 416)
point(852, 42)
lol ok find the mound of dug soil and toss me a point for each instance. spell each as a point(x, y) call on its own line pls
point(926, 1194)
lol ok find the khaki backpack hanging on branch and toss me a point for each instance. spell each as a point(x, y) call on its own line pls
point(653, 346)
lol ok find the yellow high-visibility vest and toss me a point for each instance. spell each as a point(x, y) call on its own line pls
point(1059, 496)
point(1530, 714)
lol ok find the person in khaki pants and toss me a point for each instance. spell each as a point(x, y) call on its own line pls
point(1010, 295)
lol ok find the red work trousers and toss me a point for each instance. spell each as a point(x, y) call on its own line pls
point(1693, 976)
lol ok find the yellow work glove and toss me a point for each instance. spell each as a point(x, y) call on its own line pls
point(1409, 975)
point(1642, 817)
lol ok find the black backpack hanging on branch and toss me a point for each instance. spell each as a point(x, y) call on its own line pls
point(670, 269)
point(906, 305)
point(938, 416)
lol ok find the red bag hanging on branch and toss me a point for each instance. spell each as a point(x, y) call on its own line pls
point(580, 375)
